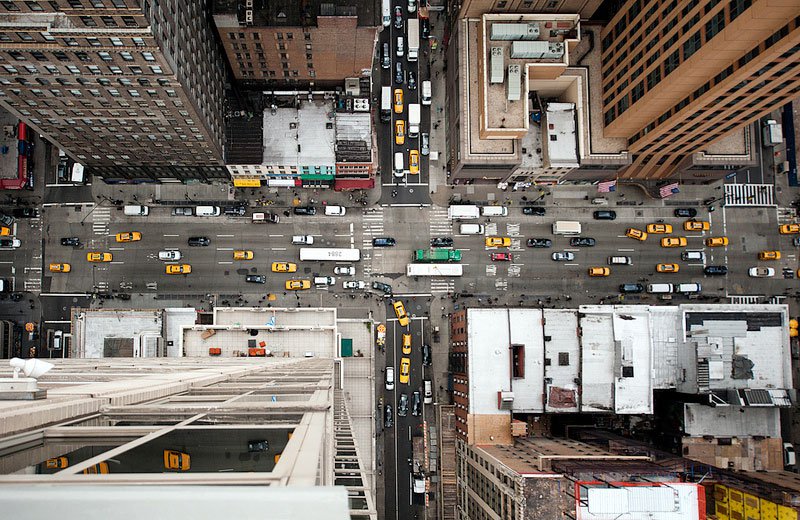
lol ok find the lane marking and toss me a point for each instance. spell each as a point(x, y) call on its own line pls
point(171, 235)
point(224, 249)
point(225, 236)
point(115, 262)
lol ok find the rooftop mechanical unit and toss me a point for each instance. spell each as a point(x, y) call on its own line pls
point(498, 65)
point(514, 82)
point(514, 31)
point(529, 50)
point(555, 50)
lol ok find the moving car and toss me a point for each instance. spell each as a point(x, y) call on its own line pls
point(182, 211)
point(412, 80)
point(399, 75)
point(302, 240)
point(599, 271)
point(333, 210)
point(619, 260)
point(324, 281)
point(255, 278)
point(631, 288)
point(402, 405)
point(582, 242)
point(673, 242)
point(304, 210)
point(129, 236)
point(199, 241)
point(398, 17)
point(60, 268)
point(637, 234)
point(354, 284)
point(5, 231)
point(717, 241)
point(389, 378)
point(284, 267)
point(667, 268)
point(385, 288)
point(400, 312)
point(178, 268)
point(696, 225)
point(685, 212)
point(407, 344)
point(565, 256)
point(6, 220)
point(761, 272)
point(344, 270)
point(399, 132)
point(442, 242)
point(398, 101)
point(169, 256)
point(177, 460)
point(693, 256)
point(297, 285)
point(388, 418)
point(659, 228)
point(539, 242)
point(57, 463)
point(71, 241)
point(242, 255)
point(416, 404)
point(789, 229)
point(383, 242)
point(405, 369)
point(715, 270)
point(97, 256)
point(498, 242)
point(539, 211)
point(413, 162)
point(9, 243)
point(604, 214)
point(769, 255)
point(501, 257)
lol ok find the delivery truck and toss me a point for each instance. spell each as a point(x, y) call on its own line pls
point(386, 104)
point(463, 212)
point(566, 227)
point(443, 270)
point(413, 39)
point(413, 120)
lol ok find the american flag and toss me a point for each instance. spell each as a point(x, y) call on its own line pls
point(607, 186)
point(669, 190)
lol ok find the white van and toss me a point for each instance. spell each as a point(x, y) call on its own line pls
point(324, 280)
point(399, 164)
point(428, 396)
point(400, 47)
point(697, 256)
point(302, 240)
point(688, 288)
point(389, 378)
point(57, 339)
point(335, 211)
point(207, 211)
point(138, 211)
point(494, 211)
point(471, 229)
point(566, 227)
point(426, 92)
point(659, 288)
point(619, 260)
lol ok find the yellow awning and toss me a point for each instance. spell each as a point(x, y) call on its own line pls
point(247, 183)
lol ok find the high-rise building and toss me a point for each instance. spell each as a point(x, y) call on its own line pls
point(679, 76)
point(475, 8)
point(288, 42)
point(133, 89)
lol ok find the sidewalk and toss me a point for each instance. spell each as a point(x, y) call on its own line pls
point(437, 176)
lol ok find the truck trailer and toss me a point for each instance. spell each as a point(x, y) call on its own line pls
point(413, 39)
point(443, 270)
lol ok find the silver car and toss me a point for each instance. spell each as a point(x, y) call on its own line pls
point(169, 256)
point(424, 145)
point(564, 256)
point(354, 284)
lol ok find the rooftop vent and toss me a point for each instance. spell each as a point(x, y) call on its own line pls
point(498, 65)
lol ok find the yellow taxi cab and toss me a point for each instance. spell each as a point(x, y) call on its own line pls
point(400, 312)
point(599, 271)
point(97, 469)
point(297, 285)
point(769, 255)
point(128, 236)
point(668, 268)
point(406, 343)
point(242, 255)
point(60, 268)
point(498, 242)
point(786, 229)
point(283, 267)
point(177, 460)
point(5, 231)
point(717, 241)
point(399, 132)
point(673, 242)
point(179, 269)
point(413, 161)
point(96, 256)
point(56, 463)
point(405, 369)
point(696, 225)
point(659, 228)
point(638, 234)
point(398, 101)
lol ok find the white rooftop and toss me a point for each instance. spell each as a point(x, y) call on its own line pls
point(300, 137)
point(673, 501)
point(561, 140)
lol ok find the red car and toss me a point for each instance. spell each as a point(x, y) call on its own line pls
point(501, 257)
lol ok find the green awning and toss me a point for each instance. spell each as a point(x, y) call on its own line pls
point(317, 177)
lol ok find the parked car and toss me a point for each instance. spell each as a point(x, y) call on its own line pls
point(305, 240)
point(385, 288)
point(178, 269)
point(582, 242)
point(604, 214)
point(685, 212)
point(25, 213)
point(631, 288)
point(234, 211)
point(71, 241)
point(255, 278)
point(402, 405)
point(539, 242)
point(354, 284)
point(388, 420)
point(539, 211)
point(424, 144)
point(442, 242)
point(501, 257)
point(305, 210)
point(416, 404)
point(9, 243)
point(412, 80)
point(383, 242)
point(182, 211)
point(716, 270)
point(565, 256)
point(344, 270)
point(398, 17)
point(199, 241)
point(427, 355)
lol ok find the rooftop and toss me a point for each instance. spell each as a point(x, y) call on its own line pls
point(303, 137)
point(291, 13)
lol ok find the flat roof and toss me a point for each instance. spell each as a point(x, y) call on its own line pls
point(731, 421)
point(561, 140)
point(289, 13)
point(302, 137)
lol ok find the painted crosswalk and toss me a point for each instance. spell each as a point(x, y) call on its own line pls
point(372, 225)
point(512, 229)
point(745, 300)
point(749, 195)
point(442, 285)
point(438, 223)
point(101, 216)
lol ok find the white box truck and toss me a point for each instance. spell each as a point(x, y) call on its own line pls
point(463, 212)
point(386, 104)
point(566, 227)
point(387, 13)
point(413, 119)
point(413, 39)
point(772, 133)
point(426, 92)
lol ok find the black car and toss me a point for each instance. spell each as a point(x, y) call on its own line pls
point(255, 278)
point(416, 404)
point(412, 80)
point(425, 28)
point(631, 288)
point(388, 420)
point(442, 242)
point(426, 355)
point(6, 220)
point(605, 214)
point(716, 270)
point(534, 210)
point(402, 405)
point(234, 211)
point(582, 242)
point(383, 242)
point(539, 242)
point(796, 241)
point(399, 76)
point(25, 213)
point(71, 241)
point(383, 287)
point(686, 212)
point(398, 17)
point(199, 241)
point(305, 210)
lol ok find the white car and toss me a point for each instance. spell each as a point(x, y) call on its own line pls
point(354, 284)
point(335, 211)
point(566, 256)
point(344, 270)
point(169, 256)
point(304, 240)
point(761, 272)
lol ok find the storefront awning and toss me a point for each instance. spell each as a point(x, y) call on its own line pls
point(317, 177)
point(354, 184)
point(247, 183)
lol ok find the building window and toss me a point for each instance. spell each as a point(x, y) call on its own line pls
point(518, 361)
point(10, 6)
point(715, 25)
point(108, 21)
point(691, 45)
point(88, 21)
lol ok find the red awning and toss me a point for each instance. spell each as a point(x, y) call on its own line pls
point(354, 184)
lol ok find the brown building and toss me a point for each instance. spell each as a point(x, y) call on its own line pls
point(474, 8)
point(288, 42)
point(132, 89)
point(681, 75)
